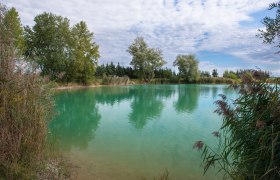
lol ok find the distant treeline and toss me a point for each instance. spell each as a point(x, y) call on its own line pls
point(110, 69)
point(166, 75)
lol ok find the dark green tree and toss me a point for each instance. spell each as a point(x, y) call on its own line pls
point(215, 73)
point(61, 52)
point(205, 74)
point(47, 44)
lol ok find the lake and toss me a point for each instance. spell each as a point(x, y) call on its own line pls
point(129, 132)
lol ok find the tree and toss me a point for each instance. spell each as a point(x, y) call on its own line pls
point(188, 67)
point(145, 60)
point(84, 55)
point(14, 29)
point(230, 75)
point(48, 44)
point(215, 73)
point(61, 52)
point(205, 74)
point(163, 73)
point(272, 26)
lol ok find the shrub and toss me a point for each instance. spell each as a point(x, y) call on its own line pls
point(115, 80)
point(216, 80)
point(249, 145)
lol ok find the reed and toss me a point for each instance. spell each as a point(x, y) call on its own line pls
point(249, 145)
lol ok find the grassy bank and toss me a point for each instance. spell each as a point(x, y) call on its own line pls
point(117, 81)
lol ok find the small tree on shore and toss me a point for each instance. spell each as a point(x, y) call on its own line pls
point(145, 60)
point(188, 67)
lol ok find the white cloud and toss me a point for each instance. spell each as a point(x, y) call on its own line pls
point(190, 26)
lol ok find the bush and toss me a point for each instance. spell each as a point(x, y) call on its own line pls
point(216, 80)
point(249, 145)
point(115, 80)
point(160, 81)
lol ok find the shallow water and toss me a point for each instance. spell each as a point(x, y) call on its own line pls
point(130, 132)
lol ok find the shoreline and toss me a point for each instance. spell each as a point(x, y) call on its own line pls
point(96, 86)
point(88, 86)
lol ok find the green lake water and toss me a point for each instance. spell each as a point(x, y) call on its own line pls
point(129, 132)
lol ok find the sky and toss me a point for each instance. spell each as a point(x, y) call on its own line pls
point(221, 33)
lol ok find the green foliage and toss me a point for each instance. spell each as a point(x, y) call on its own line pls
point(85, 54)
point(230, 74)
point(272, 31)
point(112, 70)
point(48, 44)
point(144, 59)
point(249, 137)
point(13, 28)
point(217, 80)
point(188, 67)
point(215, 73)
point(163, 73)
point(205, 74)
point(63, 53)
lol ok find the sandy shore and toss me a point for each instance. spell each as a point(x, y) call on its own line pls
point(76, 87)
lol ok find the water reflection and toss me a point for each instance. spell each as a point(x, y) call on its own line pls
point(145, 101)
point(187, 98)
point(77, 119)
point(112, 95)
point(215, 91)
point(79, 115)
point(136, 130)
point(147, 104)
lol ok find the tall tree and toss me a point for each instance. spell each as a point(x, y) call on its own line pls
point(272, 26)
point(85, 53)
point(188, 67)
point(48, 43)
point(63, 53)
point(13, 29)
point(145, 60)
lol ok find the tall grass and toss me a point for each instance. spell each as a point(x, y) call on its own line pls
point(217, 80)
point(249, 145)
point(115, 80)
point(25, 107)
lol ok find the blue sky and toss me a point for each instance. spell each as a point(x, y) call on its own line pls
point(222, 33)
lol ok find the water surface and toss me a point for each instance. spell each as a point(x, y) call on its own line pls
point(130, 132)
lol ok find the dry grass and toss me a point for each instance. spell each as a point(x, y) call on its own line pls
point(25, 107)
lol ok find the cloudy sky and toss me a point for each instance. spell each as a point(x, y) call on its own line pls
point(222, 33)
